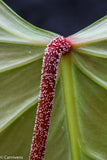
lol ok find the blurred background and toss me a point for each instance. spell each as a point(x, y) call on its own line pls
point(64, 17)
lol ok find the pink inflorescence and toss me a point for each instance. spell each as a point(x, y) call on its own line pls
point(53, 52)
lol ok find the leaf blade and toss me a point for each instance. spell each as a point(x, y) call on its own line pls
point(87, 46)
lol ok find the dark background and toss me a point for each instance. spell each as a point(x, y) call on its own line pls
point(61, 16)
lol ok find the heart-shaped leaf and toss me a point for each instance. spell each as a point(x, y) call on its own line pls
point(78, 129)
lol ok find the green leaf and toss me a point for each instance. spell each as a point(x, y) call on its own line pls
point(21, 50)
point(85, 79)
point(78, 129)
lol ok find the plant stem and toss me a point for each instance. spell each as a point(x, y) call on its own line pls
point(67, 80)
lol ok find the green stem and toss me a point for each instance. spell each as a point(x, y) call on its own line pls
point(67, 81)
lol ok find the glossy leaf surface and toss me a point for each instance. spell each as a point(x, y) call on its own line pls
point(78, 129)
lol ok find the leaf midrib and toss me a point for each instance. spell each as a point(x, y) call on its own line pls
point(67, 85)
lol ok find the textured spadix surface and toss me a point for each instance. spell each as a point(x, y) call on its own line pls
point(55, 49)
point(79, 119)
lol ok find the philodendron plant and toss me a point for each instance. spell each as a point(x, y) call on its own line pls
point(78, 128)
